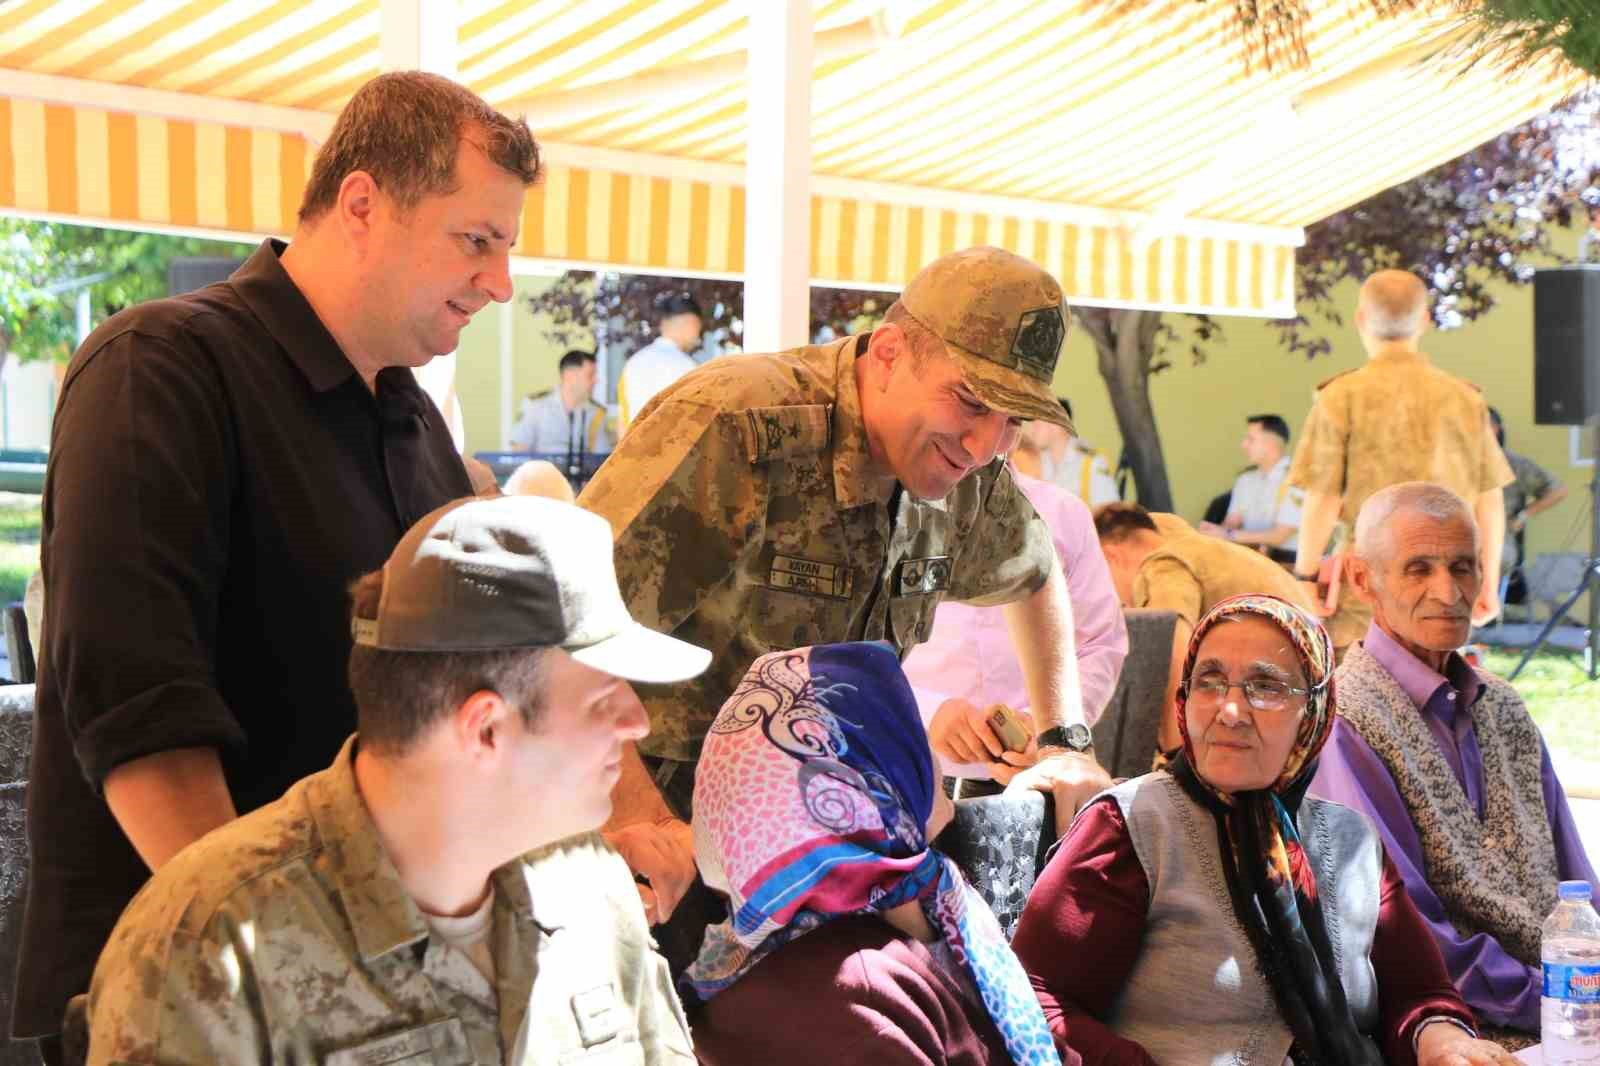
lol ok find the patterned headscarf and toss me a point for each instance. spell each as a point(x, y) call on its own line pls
point(1272, 886)
point(811, 803)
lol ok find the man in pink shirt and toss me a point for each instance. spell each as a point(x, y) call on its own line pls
point(969, 662)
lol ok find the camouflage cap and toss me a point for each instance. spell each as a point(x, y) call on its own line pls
point(1004, 321)
point(518, 572)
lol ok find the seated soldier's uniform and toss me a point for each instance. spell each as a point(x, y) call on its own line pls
point(287, 936)
point(1191, 573)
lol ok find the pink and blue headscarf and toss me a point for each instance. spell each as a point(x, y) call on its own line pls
point(811, 803)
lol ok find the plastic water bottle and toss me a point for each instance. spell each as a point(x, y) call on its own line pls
point(1569, 947)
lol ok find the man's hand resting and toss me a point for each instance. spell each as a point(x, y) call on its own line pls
point(1071, 778)
point(663, 853)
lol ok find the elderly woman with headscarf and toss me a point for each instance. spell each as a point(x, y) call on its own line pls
point(1211, 913)
point(850, 938)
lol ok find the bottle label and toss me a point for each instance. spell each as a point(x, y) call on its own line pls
point(1572, 982)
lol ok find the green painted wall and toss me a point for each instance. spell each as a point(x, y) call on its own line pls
point(534, 359)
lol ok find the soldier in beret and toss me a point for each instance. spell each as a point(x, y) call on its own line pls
point(838, 493)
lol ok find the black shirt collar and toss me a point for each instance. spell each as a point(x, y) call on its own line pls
point(273, 297)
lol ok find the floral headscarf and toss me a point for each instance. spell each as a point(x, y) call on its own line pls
point(811, 803)
point(1271, 885)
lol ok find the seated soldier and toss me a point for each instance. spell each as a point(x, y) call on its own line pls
point(853, 940)
point(1444, 757)
point(394, 908)
point(1160, 561)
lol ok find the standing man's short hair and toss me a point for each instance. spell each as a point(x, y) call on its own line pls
point(405, 129)
point(674, 304)
point(1273, 424)
point(575, 359)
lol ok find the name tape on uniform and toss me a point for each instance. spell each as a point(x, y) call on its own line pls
point(809, 576)
point(439, 1042)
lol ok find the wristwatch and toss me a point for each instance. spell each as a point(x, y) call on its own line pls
point(1075, 737)
point(1307, 579)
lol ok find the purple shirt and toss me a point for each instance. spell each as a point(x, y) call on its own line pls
point(969, 654)
point(1500, 989)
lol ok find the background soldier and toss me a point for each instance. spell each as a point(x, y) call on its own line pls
point(1398, 418)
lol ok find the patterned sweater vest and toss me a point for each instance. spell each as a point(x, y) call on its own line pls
point(1496, 875)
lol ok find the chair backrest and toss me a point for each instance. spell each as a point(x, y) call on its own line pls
point(16, 744)
point(1125, 733)
point(1553, 576)
point(1000, 843)
point(19, 648)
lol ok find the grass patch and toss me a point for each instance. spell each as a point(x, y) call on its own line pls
point(19, 544)
point(20, 524)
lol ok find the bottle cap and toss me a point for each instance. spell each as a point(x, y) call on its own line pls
point(1578, 890)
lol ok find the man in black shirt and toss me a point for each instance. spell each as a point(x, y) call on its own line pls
point(222, 465)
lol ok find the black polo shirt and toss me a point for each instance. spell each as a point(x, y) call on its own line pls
point(218, 476)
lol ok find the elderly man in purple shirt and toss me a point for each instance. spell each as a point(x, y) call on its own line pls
point(970, 664)
point(1444, 757)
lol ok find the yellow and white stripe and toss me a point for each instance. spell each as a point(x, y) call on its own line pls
point(628, 220)
point(108, 166)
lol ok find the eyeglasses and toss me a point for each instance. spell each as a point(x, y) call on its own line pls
point(1262, 693)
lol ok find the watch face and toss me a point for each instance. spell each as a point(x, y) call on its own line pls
point(1078, 737)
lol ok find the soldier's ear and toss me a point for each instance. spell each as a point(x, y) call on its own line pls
point(887, 345)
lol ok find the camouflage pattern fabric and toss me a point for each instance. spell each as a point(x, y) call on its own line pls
point(748, 521)
point(1398, 418)
point(286, 936)
point(1192, 573)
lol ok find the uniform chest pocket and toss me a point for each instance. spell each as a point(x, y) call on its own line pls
point(911, 618)
point(787, 617)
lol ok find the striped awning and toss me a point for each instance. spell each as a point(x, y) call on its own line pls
point(628, 220)
point(1125, 146)
point(98, 165)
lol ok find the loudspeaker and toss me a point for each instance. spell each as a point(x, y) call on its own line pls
point(1566, 345)
point(190, 272)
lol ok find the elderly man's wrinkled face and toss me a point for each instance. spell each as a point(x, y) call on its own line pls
point(1423, 586)
point(1237, 746)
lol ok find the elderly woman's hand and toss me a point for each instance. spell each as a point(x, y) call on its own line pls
point(1443, 1044)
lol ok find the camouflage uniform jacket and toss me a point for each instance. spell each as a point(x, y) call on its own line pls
point(747, 522)
point(1398, 418)
point(286, 936)
point(1191, 573)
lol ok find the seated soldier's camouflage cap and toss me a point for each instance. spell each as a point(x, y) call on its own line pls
point(1004, 321)
point(481, 574)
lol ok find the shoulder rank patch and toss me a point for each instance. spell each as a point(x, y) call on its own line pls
point(809, 576)
point(919, 576)
point(1336, 377)
point(771, 433)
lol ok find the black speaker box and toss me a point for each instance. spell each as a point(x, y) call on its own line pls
point(188, 273)
point(1566, 345)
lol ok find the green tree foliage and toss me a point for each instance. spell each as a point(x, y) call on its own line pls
point(40, 261)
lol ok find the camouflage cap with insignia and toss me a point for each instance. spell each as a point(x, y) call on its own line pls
point(1003, 319)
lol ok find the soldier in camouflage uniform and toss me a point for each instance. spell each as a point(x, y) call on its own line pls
point(438, 894)
point(839, 493)
point(1398, 418)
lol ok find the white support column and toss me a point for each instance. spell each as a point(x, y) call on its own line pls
point(420, 35)
point(777, 243)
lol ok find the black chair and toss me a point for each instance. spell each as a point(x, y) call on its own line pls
point(16, 744)
point(1000, 844)
point(19, 649)
point(1125, 734)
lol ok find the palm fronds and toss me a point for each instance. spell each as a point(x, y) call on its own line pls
point(1521, 33)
